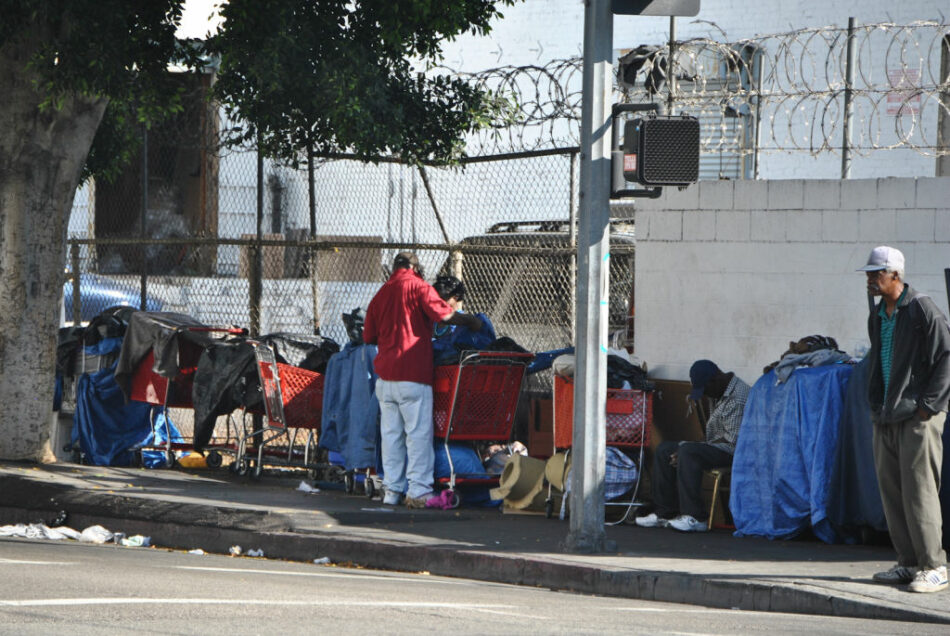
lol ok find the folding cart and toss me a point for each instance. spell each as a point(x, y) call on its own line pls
point(176, 392)
point(629, 419)
point(292, 400)
point(475, 400)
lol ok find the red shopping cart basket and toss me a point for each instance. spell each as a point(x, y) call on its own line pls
point(476, 401)
point(292, 402)
point(629, 415)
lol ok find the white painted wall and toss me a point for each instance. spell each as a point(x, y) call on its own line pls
point(735, 270)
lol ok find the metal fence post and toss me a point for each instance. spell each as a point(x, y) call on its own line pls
point(143, 272)
point(255, 283)
point(670, 74)
point(572, 233)
point(312, 251)
point(759, 63)
point(848, 106)
point(74, 266)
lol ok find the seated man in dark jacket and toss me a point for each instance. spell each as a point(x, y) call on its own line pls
point(678, 466)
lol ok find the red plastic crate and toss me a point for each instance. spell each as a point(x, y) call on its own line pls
point(629, 415)
point(483, 408)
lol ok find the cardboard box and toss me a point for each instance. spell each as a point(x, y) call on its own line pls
point(541, 427)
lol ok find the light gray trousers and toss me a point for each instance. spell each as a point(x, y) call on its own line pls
point(907, 458)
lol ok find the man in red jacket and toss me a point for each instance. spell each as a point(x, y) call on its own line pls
point(400, 321)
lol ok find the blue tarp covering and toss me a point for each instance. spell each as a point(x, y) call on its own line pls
point(105, 426)
point(854, 500)
point(350, 419)
point(781, 473)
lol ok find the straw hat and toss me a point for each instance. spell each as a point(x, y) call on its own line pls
point(521, 481)
point(557, 469)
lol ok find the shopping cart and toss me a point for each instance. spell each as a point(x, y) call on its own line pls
point(629, 419)
point(176, 392)
point(475, 400)
point(292, 404)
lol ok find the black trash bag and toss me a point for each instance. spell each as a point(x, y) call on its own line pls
point(505, 343)
point(620, 371)
point(306, 351)
point(318, 359)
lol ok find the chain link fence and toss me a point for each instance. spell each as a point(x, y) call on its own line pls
point(230, 238)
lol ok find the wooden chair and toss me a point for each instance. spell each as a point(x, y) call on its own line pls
point(716, 481)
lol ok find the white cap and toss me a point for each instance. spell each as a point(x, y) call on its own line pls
point(884, 257)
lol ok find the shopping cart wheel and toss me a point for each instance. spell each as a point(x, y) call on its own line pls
point(257, 472)
point(213, 459)
point(170, 459)
point(242, 467)
point(369, 487)
point(456, 500)
point(549, 508)
point(349, 482)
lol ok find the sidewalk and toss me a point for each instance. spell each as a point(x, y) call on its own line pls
point(214, 510)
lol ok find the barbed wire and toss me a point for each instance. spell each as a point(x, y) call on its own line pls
point(793, 83)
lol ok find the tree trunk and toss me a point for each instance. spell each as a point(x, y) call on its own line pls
point(42, 153)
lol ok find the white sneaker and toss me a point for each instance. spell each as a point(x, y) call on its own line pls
point(392, 498)
point(929, 580)
point(652, 520)
point(686, 523)
point(897, 574)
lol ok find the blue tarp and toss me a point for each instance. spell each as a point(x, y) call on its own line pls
point(350, 418)
point(105, 426)
point(854, 500)
point(781, 473)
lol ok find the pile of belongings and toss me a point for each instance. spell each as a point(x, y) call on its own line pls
point(448, 348)
point(529, 483)
point(623, 370)
point(810, 351)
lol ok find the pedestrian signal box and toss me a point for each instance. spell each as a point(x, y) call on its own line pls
point(661, 150)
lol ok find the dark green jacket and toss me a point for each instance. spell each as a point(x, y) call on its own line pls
point(920, 363)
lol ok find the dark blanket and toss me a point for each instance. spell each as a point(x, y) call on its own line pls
point(227, 376)
point(165, 334)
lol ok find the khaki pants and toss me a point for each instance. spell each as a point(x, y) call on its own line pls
point(907, 458)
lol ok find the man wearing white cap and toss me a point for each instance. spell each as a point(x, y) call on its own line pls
point(908, 391)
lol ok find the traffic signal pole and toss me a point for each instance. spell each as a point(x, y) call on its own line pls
point(593, 257)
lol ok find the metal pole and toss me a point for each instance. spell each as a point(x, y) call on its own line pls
point(143, 271)
point(590, 377)
point(848, 107)
point(76, 309)
point(670, 75)
point(256, 262)
point(572, 234)
point(312, 196)
point(758, 61)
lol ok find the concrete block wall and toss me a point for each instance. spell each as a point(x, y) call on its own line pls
point(735, 270)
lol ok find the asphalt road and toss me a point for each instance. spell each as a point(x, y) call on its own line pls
point(48, 587)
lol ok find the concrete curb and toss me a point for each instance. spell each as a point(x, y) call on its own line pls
point(214, 529)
